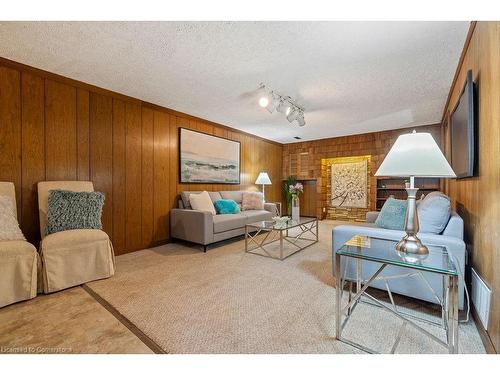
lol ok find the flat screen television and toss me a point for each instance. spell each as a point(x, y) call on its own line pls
point(463, 131)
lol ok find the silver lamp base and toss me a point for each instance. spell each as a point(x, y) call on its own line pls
point(410, 243)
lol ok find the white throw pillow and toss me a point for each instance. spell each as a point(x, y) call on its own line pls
point(252, 201)
point(9, 227)
point(202, 202)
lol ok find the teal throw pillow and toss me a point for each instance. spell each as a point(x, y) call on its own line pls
point(392, 215)
point(73, 210)
point(226, 206)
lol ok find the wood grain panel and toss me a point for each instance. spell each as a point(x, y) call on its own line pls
point(60, 131)
point(101, 153)
point(119, 177)
point(161, 184)
point(476, 198)
point(10, 130)
point(180, 122)
point(83, 134)
point(133, 154)
point(33, 151)
point(147, 176)
point(173, 161)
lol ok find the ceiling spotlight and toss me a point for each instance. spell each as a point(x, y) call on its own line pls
point(300, 119)
point(292, 113)
point(264, 101)
point(264, 95)
point(283, 106)
point(273, 101)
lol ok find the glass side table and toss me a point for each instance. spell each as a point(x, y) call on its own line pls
point(383, 252)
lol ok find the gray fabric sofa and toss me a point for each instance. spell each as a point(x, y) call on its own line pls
point(451, 237)
point(204, 228)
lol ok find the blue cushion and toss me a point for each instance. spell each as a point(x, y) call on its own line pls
point(392, 215)
point(434, 212)
point(73, 210)
point(226, 206)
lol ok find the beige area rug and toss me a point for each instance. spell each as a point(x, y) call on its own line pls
point(229, 301)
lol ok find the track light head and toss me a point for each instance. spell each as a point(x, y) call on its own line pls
point(292, 113)
point(264, 101)
point(273, 102)
point(283, 106)
point(300, 119)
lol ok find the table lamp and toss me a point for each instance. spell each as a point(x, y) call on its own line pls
point(263, 179)
point(414, 155)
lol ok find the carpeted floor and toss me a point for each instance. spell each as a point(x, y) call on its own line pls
point(228, 301)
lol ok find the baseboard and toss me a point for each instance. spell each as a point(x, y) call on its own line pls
point(485, 338)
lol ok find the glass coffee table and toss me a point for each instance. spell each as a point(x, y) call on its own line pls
point(279, 240)
point(384, 253)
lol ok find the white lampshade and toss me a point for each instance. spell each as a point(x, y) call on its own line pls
point(263, 179)
point(415, 154)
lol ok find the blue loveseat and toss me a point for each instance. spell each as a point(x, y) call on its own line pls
point(451, 237)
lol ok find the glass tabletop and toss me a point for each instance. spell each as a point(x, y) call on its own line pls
point(384, 251)
point(282, 225)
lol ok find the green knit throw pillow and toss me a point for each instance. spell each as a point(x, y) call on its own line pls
point(74, 210)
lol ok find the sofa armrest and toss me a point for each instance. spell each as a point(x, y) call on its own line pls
point(371, 216)
point(271, 207)
point(192, 225)
point(455, 227)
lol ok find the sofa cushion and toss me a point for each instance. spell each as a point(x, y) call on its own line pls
point(235, 195)
point(226, 206)
point(253, 216)
point(252, 201)
point(225, 222)
point(214, 196)
point(9, 227)
point(185, 198)
point(392, 214)
point(202, 202)
point(434, 212)
point(74, 210)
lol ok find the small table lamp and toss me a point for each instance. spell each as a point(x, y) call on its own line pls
point(414, 155)
point(263, 179)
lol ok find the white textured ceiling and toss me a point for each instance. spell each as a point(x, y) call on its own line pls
point(351, 77)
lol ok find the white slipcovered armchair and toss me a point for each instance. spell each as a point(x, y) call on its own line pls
point(18, 263)
point(72, 257)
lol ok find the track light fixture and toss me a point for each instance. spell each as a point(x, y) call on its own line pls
point(273, 101)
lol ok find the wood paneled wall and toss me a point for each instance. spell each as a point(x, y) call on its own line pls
point(54, 128)
point(477, 199)
point(303, 159)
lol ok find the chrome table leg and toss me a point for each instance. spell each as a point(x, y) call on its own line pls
point(453, 314)
point(281, 244)
point(338, 290)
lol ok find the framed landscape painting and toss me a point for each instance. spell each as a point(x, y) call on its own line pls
point(207, 159)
